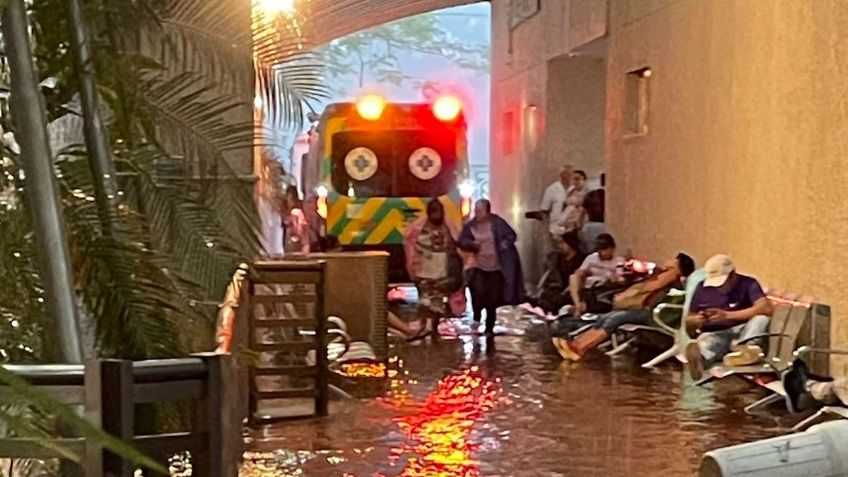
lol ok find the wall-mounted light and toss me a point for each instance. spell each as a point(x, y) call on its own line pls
point(532, 127)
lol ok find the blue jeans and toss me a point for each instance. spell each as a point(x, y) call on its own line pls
point(613, 320)
point(715, 344)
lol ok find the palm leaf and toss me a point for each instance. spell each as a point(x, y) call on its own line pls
point(142, 308)
point(186, 229)
point(191, 120)
point(292, 88)
point(215, 40)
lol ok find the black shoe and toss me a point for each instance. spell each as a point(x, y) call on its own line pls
point(798, 399)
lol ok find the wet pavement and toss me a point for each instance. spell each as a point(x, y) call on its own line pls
point(468, 406)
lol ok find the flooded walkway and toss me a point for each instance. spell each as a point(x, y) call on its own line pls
point(466, 406)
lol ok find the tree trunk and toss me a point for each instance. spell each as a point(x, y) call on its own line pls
point(41, 188)
point(96, 138)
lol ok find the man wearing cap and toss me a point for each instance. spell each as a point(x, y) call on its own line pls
point(726, 308)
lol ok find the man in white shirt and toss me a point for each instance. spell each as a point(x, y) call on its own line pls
point(553, 201)
point(599, 268)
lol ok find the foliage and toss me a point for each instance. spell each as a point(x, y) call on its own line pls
point(175, 79)
point(373, 55)
point(21, 319)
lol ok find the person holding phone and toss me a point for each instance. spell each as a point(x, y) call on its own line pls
point(726, 308)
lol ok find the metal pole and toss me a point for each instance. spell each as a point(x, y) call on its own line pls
point(96, 142)
point(41, 188)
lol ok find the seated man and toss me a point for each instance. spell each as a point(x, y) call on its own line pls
point(726, 308)
point(568, 261)
point(599, 269)
point(632, 306)
point(805, 391)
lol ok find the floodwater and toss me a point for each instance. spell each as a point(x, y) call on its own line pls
point(468, 406)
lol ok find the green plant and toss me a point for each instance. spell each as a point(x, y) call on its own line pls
point(175, 77)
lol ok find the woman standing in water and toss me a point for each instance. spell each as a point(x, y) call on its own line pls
point(434, 264)
point(495, 272)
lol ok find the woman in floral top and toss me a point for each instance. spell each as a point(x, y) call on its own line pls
point(430, 247)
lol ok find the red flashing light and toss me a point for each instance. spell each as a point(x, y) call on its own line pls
point(447, 108)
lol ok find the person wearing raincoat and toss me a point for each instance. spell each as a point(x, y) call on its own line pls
point(495, 276)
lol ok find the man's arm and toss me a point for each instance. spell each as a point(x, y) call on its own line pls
point(547, 200)
point(694, 321)
point(575, 284)
point(665, 279)
point(763, 306)
point(466, 240)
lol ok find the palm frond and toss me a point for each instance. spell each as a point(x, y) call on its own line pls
point(202, 247)
point(217, 40)
point(193, 121)
point(291, 88)
point(141, 307)
point(139, 314)
point(212, 38)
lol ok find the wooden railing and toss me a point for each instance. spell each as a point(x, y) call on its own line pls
point(109, 390)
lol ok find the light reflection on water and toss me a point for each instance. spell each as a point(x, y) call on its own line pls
point(471, 407)
point(439, 435)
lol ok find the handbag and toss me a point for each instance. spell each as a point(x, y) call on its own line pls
point(599, 299)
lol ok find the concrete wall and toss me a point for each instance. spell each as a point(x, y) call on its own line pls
point(576, 89)
point(530, 68)
point(748, 117)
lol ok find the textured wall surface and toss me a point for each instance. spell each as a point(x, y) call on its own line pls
point(746, 154)
point(531, 68)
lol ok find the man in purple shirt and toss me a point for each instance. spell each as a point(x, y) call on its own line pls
point(726, 308)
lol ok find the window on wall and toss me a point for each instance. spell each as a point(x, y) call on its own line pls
point(636, 94)
point(508, 133)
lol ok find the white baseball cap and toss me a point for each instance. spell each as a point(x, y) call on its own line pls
point(718, 268)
